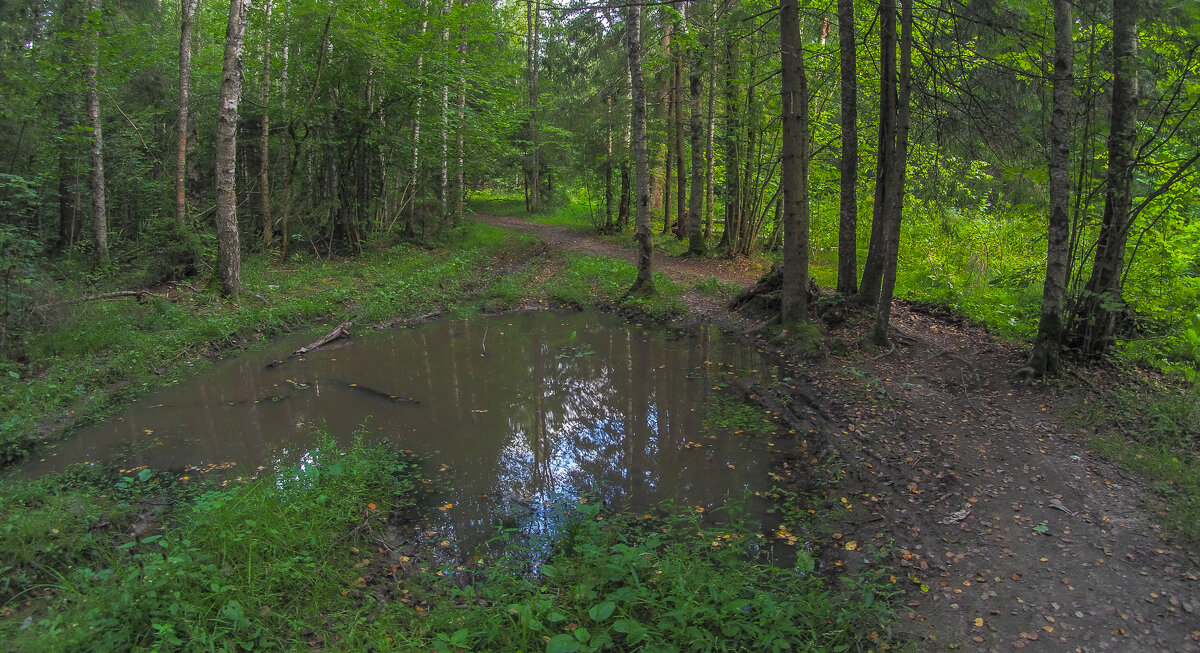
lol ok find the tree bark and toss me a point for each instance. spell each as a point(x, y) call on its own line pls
point(669, 127)
point(896, 185)
point(644, 284)
point(264, 172)
point(677, 104)
point(872, 276)
point(460, 182)
point(416, 151)
point(1103, 297)
point(711, 122)
point(228, 247)
point(608, 167)
point(99, 213)
point(444, 177)
point(732, 160)
point(187, 12)
point(794, 179)
point(695, 233)
point(847, 280)
point(535, 164)
point(1045, 360)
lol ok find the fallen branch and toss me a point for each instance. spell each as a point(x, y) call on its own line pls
point(341, 331)
point(116, 294)
point(483, 343)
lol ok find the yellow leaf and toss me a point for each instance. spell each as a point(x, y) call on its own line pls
point(978, 622)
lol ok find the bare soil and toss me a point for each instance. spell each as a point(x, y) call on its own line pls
point(1007, 532)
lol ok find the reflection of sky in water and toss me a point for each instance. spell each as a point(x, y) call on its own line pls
point(560, 404)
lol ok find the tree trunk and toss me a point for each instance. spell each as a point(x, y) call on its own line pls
point(623, 209)
point(264, 172)
point(416, 151)
point(711, 126)
point(444, 177)
point(187, 12)
point(608, 168)
point(669, 126)
point(872, 276)
point(228, 248)
point(847, 280)
point(1044, 360)
point(644, 284)
point(695, 231)
point(896, 184)
point(99, 213)
point(732, 160)
point(460, 183)
point(677, 104)
point(794, 179)
point(1095, 325)
point(535, 164)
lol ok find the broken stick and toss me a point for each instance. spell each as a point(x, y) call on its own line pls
point(341, 331)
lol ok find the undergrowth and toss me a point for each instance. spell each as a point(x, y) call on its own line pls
point(299, 558)
point(1154, 431)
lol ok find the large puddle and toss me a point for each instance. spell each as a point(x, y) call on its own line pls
point(518, 412)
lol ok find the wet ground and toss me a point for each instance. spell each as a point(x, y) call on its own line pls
point(516, 413)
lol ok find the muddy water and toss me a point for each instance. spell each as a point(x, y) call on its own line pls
point(517, 412)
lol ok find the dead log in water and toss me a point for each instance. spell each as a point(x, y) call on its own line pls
point(379, 393)
point(341, 331)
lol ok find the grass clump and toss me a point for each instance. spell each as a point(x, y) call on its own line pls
point(588, 280)
point(625, 582)
point(1155, 432)
point(263, 564)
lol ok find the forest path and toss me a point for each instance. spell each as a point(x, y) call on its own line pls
point(685, 271)
point(1007, 532)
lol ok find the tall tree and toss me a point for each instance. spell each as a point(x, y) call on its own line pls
point(99, 212)
point(535, 164)
point(460, 193)
point(416, 146)
point(677, 104)
point(695, 233)
point(187, 11)
point(732, 160)
point(847, 279)
point(895, 187)
point(794, 295)
point(264, 144)
point(1103, 300)
point(229, 257)
point(643, 286)
point(872, 276)
point(1046, 347)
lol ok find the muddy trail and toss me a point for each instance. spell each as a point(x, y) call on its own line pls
point(1005, 531)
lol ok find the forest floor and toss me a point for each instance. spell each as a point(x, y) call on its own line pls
point(1007, 531)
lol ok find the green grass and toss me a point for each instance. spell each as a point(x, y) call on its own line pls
point(1154, 431)
point(105, 351)
point(241, 567)
point(590, 280)
point(297, 559)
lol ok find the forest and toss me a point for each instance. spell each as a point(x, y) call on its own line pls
point(184, 181)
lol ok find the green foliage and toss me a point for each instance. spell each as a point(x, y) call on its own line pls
point(684, 584)
point(18, 274)
point(251, 565)
point(724, 413)
point(601, 281)
point(1156, 433)
point(716, 287)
